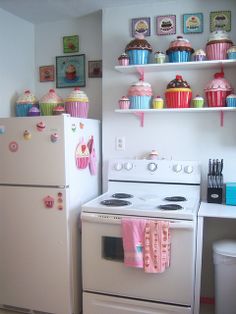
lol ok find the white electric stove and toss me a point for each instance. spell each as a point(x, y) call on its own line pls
point(143, 189)
point(160, 188)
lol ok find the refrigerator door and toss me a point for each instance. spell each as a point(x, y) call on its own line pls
point(35, 259)
point(32, 154)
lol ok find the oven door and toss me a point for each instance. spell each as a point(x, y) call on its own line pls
point(104, 270)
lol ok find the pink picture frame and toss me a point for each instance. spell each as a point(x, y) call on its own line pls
point(166, 24)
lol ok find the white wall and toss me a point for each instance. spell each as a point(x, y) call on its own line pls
point(49, 44)
point(16, 60)
point(174, 135)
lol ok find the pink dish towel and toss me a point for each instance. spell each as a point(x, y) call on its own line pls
point(156, 246)
point(133, 236)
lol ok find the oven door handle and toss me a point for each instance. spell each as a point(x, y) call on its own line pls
point(116, 220)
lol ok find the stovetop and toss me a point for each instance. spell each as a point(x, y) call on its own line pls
point(148, 189)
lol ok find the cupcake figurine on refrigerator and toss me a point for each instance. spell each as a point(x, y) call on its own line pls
point(77, 103)
point(49, 101)
point(24, 103)
point(138, 50)
point(217, 90)
point(178, 93)
point(140, 95)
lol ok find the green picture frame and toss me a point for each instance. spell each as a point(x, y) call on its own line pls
point(71, 44)
point(220, 20)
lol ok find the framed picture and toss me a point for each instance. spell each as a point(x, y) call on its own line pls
point(71, 44)
point(70, 71)
point(220, 20)
point(141, 26)
point(166, 24)
point(46, 73)
point(95, 68)
point(193, 23)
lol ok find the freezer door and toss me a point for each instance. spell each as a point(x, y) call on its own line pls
point(104, 304)
point(35, 265)
point(32, 155)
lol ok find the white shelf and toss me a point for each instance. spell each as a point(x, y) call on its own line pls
point(140, 112)
point(191, 65)
point(190, 110)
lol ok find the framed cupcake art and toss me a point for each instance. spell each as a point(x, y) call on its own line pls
point(166, 25)
point(70, 71)
point(192, 23)
point(141, 25)
point(220, 20)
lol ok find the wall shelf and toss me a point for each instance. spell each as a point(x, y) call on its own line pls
point(140, 112)
point(192, 65)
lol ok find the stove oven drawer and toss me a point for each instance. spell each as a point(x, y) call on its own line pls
point(104, 271)
point(103, 304)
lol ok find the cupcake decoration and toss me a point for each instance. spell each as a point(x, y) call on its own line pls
point(178, 93)
point(49, 101)
point(138, 50)
point(217, 90)
point(157, 103)
point(231, 100)
point(180, 50)
point(58, 110)
point(140, 95)
point(93, 157)
point(123, 59)
point(199, 55)
point(231, 52)
point(82, 155)
point(24, 103)
point(34, 112)
point(41, 126)
point(159, 57)
point(77, 103)
point(217, 45)
point(124, 102)
point(198, 102)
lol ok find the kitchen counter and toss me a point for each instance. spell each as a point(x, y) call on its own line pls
point(217, 210)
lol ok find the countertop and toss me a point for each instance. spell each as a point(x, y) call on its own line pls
point(217, 210)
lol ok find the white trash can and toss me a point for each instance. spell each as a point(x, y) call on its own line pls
point(224, 257)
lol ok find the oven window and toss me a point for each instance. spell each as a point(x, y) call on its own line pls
point(112, 249)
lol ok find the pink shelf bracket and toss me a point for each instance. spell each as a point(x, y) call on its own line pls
point(141, 73)
point(141, 117)
point(222, 118)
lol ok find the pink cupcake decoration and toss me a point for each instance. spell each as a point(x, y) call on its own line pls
point(123, 59)
point(217, 45)
point(217, 90)
point(124, 102)
point(82, 155)
point(77, 103)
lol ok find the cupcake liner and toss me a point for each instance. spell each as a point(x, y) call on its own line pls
point(124, 104)
point(217, 51)
point(231, 55)
point(47, 109)
point(179, 56)
point(178, 99)
point(231, 102)
point(199, 58)
point(217, 98)
point(138, 56)
point(22, 109)
point(123, 62)
point(140, 102)
point(82, 162)
point(77, 109)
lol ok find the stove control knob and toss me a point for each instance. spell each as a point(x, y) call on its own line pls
point(152, 166)
point(177, 168)
point(128, 166)
point(188, 169)
point(118, 166)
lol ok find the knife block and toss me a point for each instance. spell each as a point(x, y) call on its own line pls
point(215, 195)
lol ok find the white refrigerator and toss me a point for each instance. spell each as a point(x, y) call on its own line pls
point(49, 166)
